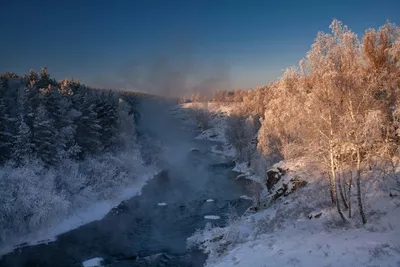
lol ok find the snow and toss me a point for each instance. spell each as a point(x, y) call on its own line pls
point(87, 214)
point(314, 214)
point(283, 235)
point(246, 197)
point(246, 172)
point(293, 248)
point(224, 149)
point(210, 200)
point(216, 133)
point(162, 204)
point(95, 262)
point(212, 217)
point(242, 168)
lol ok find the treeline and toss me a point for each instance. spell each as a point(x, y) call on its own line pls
point(41, 118)
point(63, 147)
point(339, 106)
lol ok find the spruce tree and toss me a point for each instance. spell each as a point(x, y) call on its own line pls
point(44, 137)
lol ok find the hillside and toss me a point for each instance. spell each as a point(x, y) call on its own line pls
point(320, 147)
point(298, 226)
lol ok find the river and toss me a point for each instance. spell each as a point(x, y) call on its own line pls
point(151, 229)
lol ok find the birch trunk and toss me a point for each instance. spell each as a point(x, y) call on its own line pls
point(333, 172)
point(349, 193)
point(358, 182)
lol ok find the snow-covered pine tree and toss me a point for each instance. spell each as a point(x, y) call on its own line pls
point(45, 80)
point(22, 146)
point(58, 108)
point(5, 134)
point(44, 137)
point(106, 109)
point(88, 132)
point(31, 79)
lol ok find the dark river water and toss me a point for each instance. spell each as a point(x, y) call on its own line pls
point(139, 232)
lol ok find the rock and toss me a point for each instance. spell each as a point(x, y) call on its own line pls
point(273, 176)
point(314, 215)
point(393, 193)
point(297, 183)
point(280, 192)
point(284, 189)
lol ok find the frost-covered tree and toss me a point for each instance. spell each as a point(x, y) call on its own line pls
point(22, 146)
point(44, 79)
point(241, 133)
point(6, 136)
point(61, 145)
point(106, 109)
point(43, 137)
point(88, 132)
point(339, 108)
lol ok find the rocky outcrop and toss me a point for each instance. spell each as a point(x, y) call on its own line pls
point(273, 176)
point(281, 183)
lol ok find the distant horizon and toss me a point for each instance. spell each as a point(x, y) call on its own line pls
point(157, 48)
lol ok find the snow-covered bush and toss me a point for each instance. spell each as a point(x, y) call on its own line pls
point(201, 115)
point(215, 241)
point(33, 196)
point(241, 132)
point(28, 199)
point(255, 188)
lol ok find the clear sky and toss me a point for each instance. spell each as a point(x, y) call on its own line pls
point(149, 44)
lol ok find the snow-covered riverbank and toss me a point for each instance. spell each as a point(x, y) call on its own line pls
point(86, 211)
point(295, 225)
point(302, 229)
point(217, 124)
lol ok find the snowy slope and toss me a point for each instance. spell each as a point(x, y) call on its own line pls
point(88, 213)
point(294, 247)
point(281, 234)
point(218, 114)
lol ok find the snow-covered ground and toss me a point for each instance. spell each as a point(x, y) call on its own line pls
point(216, 132)
point(84, 215)
point(282, 233)
point(300, 228)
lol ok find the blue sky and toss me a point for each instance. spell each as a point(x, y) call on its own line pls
point(147, 44)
